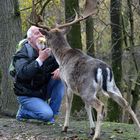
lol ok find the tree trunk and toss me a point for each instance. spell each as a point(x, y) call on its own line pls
point(116, 36)
point(125, 115)
point(135, 93)
point(89, 37)
point(74, 39)
point(10, 34)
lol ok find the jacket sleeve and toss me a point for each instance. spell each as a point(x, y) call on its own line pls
point(25, 67)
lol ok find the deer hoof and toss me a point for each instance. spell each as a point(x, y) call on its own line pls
point(65, 128)
point(92, 132)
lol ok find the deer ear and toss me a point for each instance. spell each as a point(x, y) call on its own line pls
point(65, 30)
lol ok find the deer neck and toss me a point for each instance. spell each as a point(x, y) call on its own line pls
point(59, 49)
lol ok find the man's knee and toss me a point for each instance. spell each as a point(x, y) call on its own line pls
point(46, 115)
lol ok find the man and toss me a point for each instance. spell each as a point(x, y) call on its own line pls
point(37, 80)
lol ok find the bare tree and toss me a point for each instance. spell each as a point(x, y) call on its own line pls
point(135, 92)
point(90, 37)
point(116, 36)
point(10, 34)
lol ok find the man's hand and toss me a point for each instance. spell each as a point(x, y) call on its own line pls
point(56, 74)
point(44, 54)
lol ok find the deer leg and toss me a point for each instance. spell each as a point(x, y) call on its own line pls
point(124, 104)
point(99, 106)
point(69, 97)
point(92, 124)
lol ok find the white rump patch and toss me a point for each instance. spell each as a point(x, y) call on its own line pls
point(108, 74)
point(99, 76)
point(98, 85)
point(111, 86)
point(111, 83)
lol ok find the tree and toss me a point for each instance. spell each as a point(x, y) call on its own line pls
point(10, 34)
point(135, 92)
point(116, 37)
point(74, 39)
point(89, 37)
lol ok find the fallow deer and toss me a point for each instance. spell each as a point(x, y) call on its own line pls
point(84, 75)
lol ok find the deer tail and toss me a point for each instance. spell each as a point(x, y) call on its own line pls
point(104, 76)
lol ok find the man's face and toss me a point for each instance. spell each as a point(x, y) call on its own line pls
point(35, 35)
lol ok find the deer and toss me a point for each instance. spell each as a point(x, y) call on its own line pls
point(82, 74)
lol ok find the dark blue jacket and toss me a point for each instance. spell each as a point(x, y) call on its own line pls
point(31, 79)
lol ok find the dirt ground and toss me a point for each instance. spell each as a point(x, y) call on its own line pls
point(11, 129)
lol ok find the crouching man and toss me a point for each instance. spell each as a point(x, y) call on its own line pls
point(37, 84)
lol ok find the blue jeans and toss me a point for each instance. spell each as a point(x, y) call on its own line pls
point(36, 108)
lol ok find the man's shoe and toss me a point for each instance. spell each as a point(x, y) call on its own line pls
point(51, 121)
point(19, 115)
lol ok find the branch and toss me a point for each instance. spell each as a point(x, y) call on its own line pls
point(43, 7)
point(25, 8)
point(135, 82)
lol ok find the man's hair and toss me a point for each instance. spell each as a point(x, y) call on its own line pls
point(29, 32)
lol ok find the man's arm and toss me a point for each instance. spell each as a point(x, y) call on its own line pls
point(25, 68)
